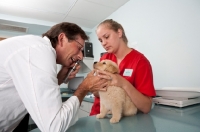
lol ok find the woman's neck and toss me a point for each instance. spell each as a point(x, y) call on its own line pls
point(121, 53)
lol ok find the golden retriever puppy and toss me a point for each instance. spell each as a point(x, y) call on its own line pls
point(114, 100)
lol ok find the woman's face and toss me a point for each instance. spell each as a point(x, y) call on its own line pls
point(109, 39)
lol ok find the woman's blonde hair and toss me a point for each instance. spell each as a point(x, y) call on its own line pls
point(113, 25)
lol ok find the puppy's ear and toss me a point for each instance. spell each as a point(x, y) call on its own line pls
point(112, 69)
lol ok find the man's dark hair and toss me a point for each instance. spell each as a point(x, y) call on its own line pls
point(70, 30)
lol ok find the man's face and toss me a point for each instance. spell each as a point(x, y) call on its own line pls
point(69, 51)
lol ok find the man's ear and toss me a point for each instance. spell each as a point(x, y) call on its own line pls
point(61, 38)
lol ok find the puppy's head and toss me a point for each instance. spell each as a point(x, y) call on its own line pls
point(106, 65)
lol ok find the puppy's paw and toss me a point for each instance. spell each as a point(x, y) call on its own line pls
point(114, 120)
point(99, 116)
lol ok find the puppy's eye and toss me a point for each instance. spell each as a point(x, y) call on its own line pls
point(104, 62)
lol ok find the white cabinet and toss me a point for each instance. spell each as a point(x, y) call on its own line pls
point(84, 109)
point(86, 65)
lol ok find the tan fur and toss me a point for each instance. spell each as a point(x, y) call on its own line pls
point(115, 99)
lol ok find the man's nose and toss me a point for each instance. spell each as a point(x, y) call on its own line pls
point(80, 55)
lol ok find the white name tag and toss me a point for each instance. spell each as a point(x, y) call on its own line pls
point(128, 72)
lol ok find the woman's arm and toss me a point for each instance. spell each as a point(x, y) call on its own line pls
point(142, 102)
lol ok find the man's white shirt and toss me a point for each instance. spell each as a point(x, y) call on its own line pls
point(28, 83)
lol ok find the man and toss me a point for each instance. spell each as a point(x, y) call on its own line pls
point(29, 82)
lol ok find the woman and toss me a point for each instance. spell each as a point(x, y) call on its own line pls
point(135, 77)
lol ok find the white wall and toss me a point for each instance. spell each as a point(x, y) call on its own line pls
point(167, 32)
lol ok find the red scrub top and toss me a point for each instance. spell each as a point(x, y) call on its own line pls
point(136, 68)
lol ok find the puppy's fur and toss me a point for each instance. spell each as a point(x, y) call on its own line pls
point(115, 99)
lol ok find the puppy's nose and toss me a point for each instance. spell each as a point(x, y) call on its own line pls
point(95, 62)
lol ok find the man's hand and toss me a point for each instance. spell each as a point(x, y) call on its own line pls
point(95, 83)
point(91, 83)
point(63, 73)
point(115, 79)
point(96, 93)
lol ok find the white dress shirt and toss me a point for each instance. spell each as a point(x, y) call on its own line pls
point(28, 82)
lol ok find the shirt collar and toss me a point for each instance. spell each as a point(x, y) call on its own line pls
point(47, 39)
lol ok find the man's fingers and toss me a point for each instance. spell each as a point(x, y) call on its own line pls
point(98, 89)
point(101, 85)
point(104, 72)
point(103, 89)
point(106, 76)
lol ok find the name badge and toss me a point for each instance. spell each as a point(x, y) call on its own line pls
point(128, 72)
